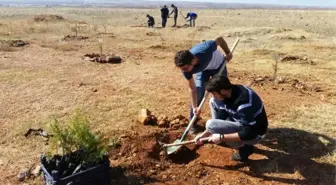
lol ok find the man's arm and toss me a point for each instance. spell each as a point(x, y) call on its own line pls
point(172, 11)
point(222, 43)
point(193, 92)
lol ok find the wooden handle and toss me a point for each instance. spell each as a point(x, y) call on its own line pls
point(184, 142)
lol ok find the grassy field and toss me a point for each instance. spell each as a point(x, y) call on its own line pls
point(50, 78)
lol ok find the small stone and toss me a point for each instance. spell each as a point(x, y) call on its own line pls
point(162, 118)
point(183, 123)
point(37, 171)
point(178, 117)
point(144, 116)
point(173, 123)
point(94, 90)
point(279, 80)
point(259, 79)
point(158, 166)
point(164, 176)
point(25, 173)
point(134, 154)
point(88, 58)
point(134, 150)
point(162, 123)
point(152, 172)
point(162, 153)
point(176, 126)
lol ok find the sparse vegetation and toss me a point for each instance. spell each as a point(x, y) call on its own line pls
point(76, 136)
point(40, 80)
point(275, 66)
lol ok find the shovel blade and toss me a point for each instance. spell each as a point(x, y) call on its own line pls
point(173, 149)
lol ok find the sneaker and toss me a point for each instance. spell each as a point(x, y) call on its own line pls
point(243, 153)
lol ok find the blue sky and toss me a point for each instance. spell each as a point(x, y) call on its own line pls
point(325, 3)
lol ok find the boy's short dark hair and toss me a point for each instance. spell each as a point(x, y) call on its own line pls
point(218, 83)
point(183, 57)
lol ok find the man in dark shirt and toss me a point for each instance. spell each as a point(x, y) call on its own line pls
point(150, 21)
point(175, 11)
point(238, 117)
point(164, 15)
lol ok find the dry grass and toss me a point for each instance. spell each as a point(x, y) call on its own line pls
point(49, 78)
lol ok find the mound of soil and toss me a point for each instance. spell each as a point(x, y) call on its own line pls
point(74, 37)
point(266, 52)
point(258, 31)
point(14, 43)
point(143, 155)
point(290, 82)
point(157, 47)
point(145, 117)
point(289, 37)
point(297, 59)
point(93, 57)
point(152, 34)
point(202, 28)
point(48, 18)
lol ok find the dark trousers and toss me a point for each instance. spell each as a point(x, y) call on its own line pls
point(164, 22)
point(175, 20)
point(150, 24)
point(200, 79)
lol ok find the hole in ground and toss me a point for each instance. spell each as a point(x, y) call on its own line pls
point(183, 156)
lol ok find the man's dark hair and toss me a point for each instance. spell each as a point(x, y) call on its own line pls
point(183, 57)
point(218, 83)
point(172, 5)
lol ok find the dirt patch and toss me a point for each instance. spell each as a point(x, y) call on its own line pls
point(48, 18)
point(202, 28)
point(183, 26)
point(112, 59)
point(283, 57)
point(11, 45)
point(296, 59)
point(74, 37)
point(157, 47)
point(152, 34)
point(145, 117)
point(266, 52)
point(289, 37)
point(14, 43)
point(259, 31)
point(281, 83)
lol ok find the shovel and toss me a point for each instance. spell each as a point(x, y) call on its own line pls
point(172, 148)
point(184, 142)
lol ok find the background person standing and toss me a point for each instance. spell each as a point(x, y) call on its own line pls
point(164, 15)
point(175, 11)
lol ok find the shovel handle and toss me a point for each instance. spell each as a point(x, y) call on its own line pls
point(206, 94)
point(185, 142)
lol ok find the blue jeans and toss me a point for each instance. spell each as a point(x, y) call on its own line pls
point(164, 22)
point(200, 80)
point(219, 126)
